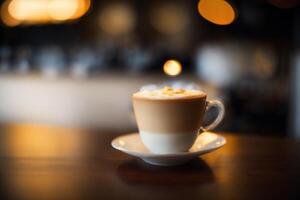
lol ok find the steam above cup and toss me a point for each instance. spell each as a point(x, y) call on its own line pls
point(169, 120)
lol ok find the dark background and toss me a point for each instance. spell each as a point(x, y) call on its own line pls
point(259, 99)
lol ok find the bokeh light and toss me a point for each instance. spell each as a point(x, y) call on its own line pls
point(172, 67)
point(7, 19)
point(221, 64)
point(33, 10)
point(219, 12)
point(169, 18)
point(17, 12)
point(83, 7)
point(62, 10)
point(264, 62)
point(117, 19)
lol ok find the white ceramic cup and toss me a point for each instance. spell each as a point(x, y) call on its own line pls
point(169, 126)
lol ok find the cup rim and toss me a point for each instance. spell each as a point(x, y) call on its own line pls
point(179, 99)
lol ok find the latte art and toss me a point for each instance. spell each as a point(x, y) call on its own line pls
point(169, 93)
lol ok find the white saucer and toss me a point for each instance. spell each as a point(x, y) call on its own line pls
point(132, 145)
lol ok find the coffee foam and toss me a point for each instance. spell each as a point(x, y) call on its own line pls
point(175, 85)
point(174, 91)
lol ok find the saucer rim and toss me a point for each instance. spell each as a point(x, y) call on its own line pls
point(178, 154)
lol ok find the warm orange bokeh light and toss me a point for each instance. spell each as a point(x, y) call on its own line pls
point(62, 10)
point(7, 19)
point(217, 11)
point(15, 12)
point(169, 18)
point(172, 68)
point(117, 19)
point(82, 8)
point(33, 10)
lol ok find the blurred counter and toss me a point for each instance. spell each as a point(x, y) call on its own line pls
point(101, 102)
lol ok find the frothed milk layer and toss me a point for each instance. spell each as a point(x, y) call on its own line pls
point(169, 93)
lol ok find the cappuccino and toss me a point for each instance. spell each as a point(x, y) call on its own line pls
point(169, 119)
point(169, 93)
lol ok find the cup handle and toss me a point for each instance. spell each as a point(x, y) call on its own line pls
point(219, 105)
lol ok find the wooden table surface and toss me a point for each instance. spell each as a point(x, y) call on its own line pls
point(42, 162)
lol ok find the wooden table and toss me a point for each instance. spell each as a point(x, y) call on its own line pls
point(40, 162)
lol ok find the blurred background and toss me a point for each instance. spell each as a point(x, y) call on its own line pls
point(76, 62)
